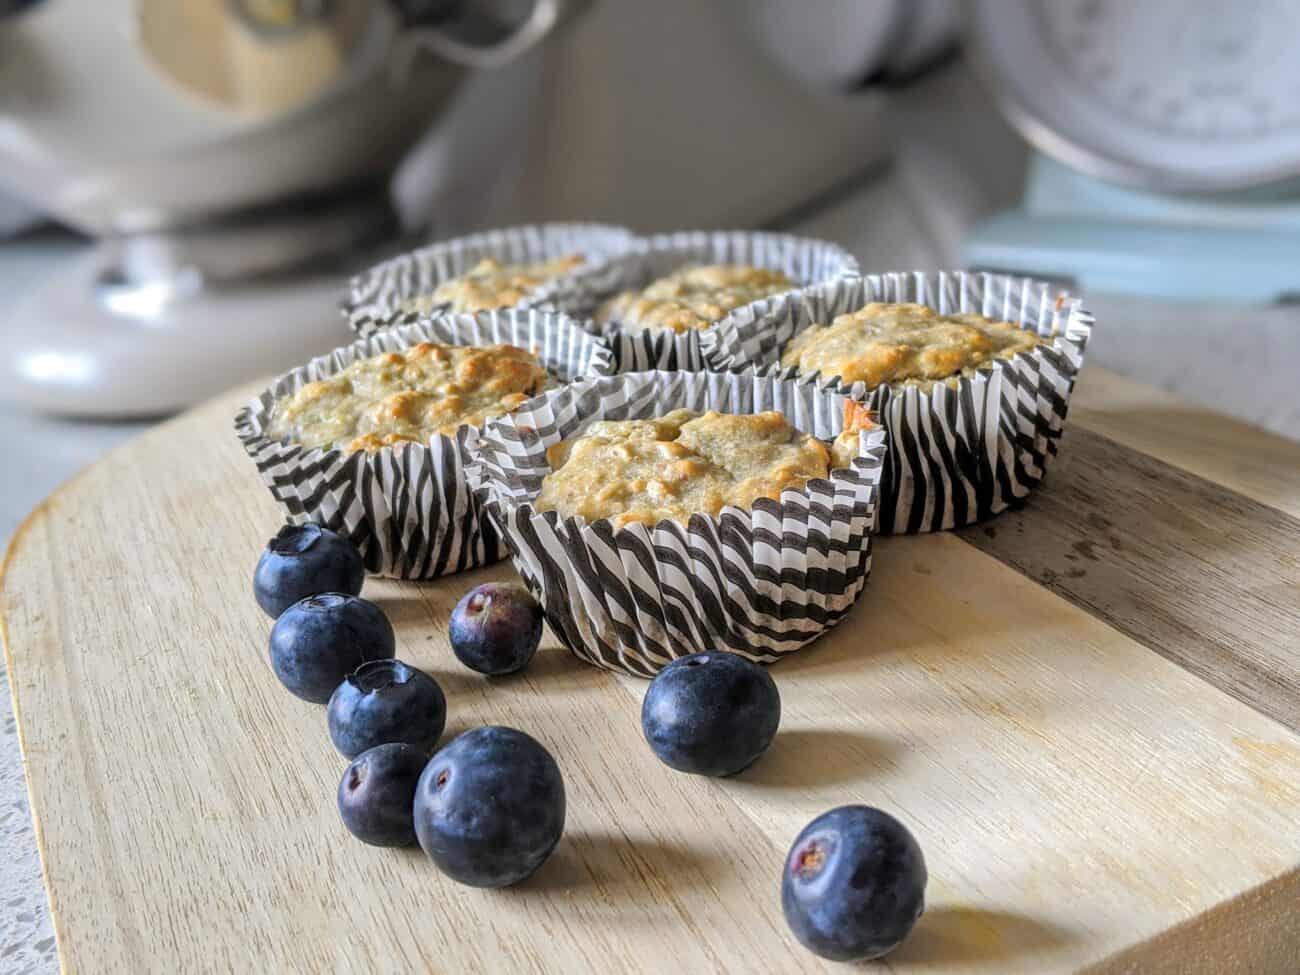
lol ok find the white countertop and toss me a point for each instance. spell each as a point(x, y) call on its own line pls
point(956, 163)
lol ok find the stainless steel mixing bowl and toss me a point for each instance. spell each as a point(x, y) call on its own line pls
point(129, 116)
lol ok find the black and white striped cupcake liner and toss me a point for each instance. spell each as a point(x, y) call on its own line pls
point(957, 453)
point(375, 297)
point(407, 508)
point(760, 583)
point(805, 260)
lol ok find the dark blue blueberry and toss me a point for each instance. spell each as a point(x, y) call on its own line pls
point(385, 700)
point(377, 794)
point(319, 640)
point(854, 884)
point(495, 628)
point(304, 560)
point(710, 713)
point(490, 807)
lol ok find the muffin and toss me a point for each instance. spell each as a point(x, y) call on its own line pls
point(675, 287)
point(905, 344)
point(693, 297)
point(490, 284)
point(368, 441)
point(670, 467)
point(409, 395)
point(568, 267)
point(969, 374)
point(656, 514)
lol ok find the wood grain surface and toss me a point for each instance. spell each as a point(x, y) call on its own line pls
point(1204, 576)
point(1236, 456)
point(1084, 802)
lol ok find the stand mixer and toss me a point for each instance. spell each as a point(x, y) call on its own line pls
point(228, 155)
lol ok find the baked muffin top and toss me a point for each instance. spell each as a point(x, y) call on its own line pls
point(490, 284)
point(693, 297)
point(685, 463)
point(905, 345)
point(411, 395)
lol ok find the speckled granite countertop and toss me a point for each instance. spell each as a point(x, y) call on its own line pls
point(26, 937)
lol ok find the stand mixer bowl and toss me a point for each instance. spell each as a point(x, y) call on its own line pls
point(232, 157)
point(128, 116)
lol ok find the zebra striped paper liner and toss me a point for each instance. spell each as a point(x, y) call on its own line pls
point(375, 296)
point(957, 454)
point(803, 259)
point(760, 583)
point(408, 508)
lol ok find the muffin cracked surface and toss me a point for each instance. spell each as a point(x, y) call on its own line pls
point(490, 284)
point(905, 345)
point(684, 463)
point(693, 297)
point(412, 395)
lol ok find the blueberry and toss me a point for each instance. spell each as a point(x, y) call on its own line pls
point(854, 884)
point(383, 701)
point(304, 560)
point(495, 628)
point(319, 640)
point(377, 794)
point(490, 807)
point(710, 713)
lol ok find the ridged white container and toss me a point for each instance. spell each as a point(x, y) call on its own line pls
point(805, 260)
point(761, 582)
point(958, 452)
point(407, 508)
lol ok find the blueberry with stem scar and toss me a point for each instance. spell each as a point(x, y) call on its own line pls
point(495, 628)
point(854, 884)
point(377, 794)
point(319, 640)
point(305, 560)
point(489, 808)
point(383, 701)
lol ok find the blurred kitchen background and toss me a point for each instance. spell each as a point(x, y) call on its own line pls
point(186, 184)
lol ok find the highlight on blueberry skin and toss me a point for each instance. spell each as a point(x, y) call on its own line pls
point(854, 884)
point(302, 561)
point(711, 713)
point(383, 701)
point(495, 628)
point(319, 640)
point(377, 794)
point(489, 808)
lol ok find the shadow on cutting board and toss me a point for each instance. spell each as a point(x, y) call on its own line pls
point(812, 758)
point(616, 863)
point(969, 935)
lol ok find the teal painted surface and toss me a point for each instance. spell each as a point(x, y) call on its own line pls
point(1116, 240)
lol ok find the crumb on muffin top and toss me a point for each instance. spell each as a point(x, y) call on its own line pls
point(684, 463)
point(693, 297)
point(412, 395)
point(905, 345)
point(490, 284)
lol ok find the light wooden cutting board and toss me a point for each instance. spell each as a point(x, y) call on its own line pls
point(1087, 712)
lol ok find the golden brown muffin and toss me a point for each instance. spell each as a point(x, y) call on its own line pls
point(904, 345)
point(408, 396)
point(490, 284)
point(693, 297)
point(686, 463)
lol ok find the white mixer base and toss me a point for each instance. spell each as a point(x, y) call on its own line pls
point(72, 349)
